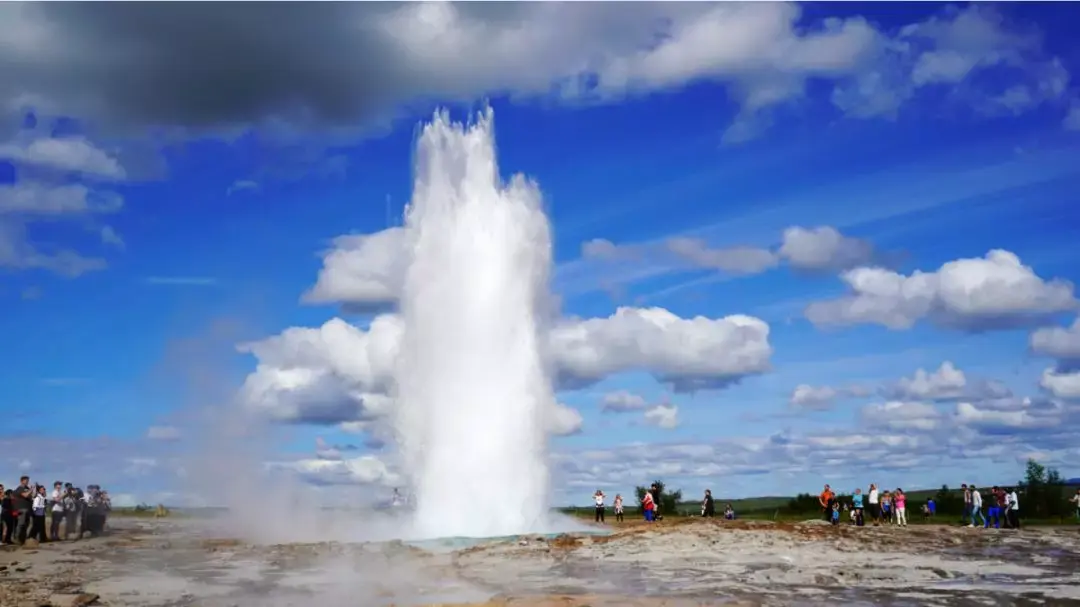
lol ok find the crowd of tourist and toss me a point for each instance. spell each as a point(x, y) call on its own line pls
point(1000, 506)
point(30, 512)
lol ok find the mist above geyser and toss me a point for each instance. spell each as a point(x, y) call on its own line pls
point(472, 385)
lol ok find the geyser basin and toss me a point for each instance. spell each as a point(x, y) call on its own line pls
point(473, 389)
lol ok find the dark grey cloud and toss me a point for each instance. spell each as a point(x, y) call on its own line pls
point(306, 65)
point(193, 65)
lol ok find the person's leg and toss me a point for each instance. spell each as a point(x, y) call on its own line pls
point(1016, 519)
point(69, 525)
point(22, 526)
point(602, 515)
point(41, 525)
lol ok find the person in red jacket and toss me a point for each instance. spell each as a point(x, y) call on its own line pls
point(827, 499)
point(648, 506)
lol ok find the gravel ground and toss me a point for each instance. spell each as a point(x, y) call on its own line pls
point(686, 562)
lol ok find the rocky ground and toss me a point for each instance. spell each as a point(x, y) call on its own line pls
point(676, 563)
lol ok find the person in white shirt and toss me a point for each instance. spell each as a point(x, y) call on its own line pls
point(37, 530)
point(1013, 513)
point(976, 508)
point(875, 508)
point(598, 498)
point(57, 511)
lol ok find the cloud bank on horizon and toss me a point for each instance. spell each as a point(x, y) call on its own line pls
point(860, 267)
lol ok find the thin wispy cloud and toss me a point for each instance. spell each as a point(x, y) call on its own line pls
point(181, 281)
point(64, 381)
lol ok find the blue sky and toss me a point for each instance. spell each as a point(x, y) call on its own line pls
point(145, 231)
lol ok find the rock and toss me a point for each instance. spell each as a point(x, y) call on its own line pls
point(73, 600)
point(30, 544)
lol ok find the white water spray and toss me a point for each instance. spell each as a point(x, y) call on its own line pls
point(472, 383)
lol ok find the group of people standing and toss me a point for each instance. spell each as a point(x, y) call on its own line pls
point(1003, 506)
point(891, 507)
point(884, 506)
point(30, 512)
point(649, 504)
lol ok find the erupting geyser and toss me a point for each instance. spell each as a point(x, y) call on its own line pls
point(472, 383)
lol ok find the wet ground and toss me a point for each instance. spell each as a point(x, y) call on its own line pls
point(691, 562)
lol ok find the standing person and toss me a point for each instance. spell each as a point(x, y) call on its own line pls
point(618, 507)
point(598, 497)
point(886, 508)
point(1014, 509)
point(71, 510)
point(875, 508)
point(900, 503)
point(857, 506)
point(57, 511)
point(22, 502)
point(1074, 499)
point(826, 500)
point(993, 512)
point(967, 503)
point(39, 508)
point(80, 510)
point(1005, 505)
point(648, 507)
point(7, 517)
point(708, 508)
point(658, 513)
point(976, 507)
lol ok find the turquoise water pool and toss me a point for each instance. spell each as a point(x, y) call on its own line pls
point(449, 544)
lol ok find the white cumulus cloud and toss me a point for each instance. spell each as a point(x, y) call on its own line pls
point(1057, 342)
point(945, 383)
point(622, 401)
point(664, 416)
point(968, 294)
point(899, 415)
point(364, 271)
point(564, 420)
point(1062, 384)
point(74, 154)
point(689, 353)
point(823, 248)
point(812, 397)
point(339, 373)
